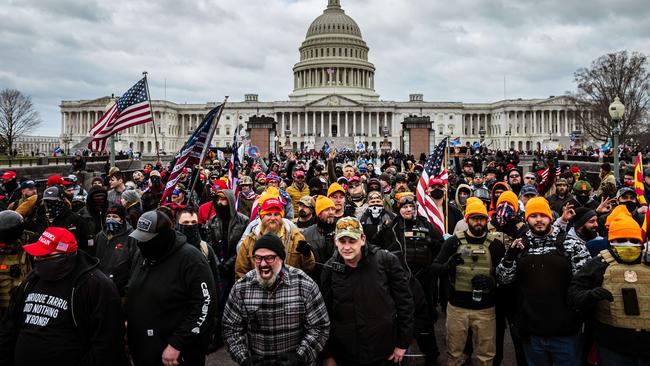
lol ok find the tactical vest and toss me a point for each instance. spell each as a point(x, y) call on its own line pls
point(478, 261)
point(13, 270)
point(617, 277)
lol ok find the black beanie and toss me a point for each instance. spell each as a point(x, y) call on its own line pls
point(583, 214)
point(271, 242)
point(117, 210)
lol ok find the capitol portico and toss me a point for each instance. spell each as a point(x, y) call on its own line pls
point(334, 99)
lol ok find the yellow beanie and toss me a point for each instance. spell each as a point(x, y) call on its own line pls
point(335, 187)
point(619, 210)
point(472, 199)
point(509, 197)
point(270, 192)
point(475, 207)
point(538, 205)
point(624, 227)
point(323, 203)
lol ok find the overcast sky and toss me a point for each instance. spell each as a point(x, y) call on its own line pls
point(448, 50)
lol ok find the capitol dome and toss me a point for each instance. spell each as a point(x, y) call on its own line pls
point(334, 59)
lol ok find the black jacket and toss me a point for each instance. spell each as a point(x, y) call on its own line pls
point(96, 308)
point(116, 256)
point(621, 340)
point(68, 220)
point(370, 307)
point(415, 241)
point(170, 301)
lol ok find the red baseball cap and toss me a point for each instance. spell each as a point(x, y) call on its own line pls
point(354, 179)
point(219, 184)
point(299, 173)
point(54, 180)
point(271, 205)
point(8, 175)
point(437, 182)
point(53, 239)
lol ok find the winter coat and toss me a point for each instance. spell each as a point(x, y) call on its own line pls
point(290, 236)
point(116, 255)
point(170, 302)
point(96, 312)
point(371, 307)
point(296, 194)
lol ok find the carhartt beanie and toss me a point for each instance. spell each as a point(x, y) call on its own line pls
point(271, 242)
point(624, 227)
point(538, 205)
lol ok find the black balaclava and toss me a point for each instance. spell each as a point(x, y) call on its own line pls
point(53, 209)
point(157, 247)
point(55, 268)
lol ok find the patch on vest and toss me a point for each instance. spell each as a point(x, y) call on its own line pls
point(630, 276)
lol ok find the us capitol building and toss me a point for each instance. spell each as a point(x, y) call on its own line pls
point(334, 99)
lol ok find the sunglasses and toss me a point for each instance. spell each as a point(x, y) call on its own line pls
point(353, 186)
point(514, 176)
point(269, 259)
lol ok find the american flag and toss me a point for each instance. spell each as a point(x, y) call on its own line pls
point(190, 153)
point(432, 169)
point(233, 169)
point(131, 109)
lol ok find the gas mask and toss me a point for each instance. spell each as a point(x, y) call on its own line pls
point(627, 252)
point(375, 211)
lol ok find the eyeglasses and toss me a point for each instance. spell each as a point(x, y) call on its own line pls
point(352, 186)
point(530, 178)
point(270, 259)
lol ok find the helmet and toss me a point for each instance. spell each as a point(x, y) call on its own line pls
point(246, 180)
point(482, 194)
point(11, 226)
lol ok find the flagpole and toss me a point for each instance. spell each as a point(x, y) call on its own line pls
point(447, 188)
point(208, 141)
point(153, 119)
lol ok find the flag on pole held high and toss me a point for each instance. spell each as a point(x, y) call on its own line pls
point(191, 153)
point(639, 187)
point(131, 109)
point(233, 169)
point(433, 169)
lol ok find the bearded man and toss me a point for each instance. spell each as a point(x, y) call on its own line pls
point(289, 327)
point(271, 214)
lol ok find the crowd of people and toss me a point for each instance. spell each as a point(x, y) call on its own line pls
point(326, 259)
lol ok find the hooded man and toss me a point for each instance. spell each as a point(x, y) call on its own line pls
point(67, 306)
point(463, 192)
point(10, 186)
point(612, 288)
point(224, 230)
point(513, 178)
point(375, 218)
point(96, 205)
point(153, 194)
point(169, 323)
point(115, 249)
point(271, 220)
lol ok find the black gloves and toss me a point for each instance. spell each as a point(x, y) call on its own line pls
point(512, 253)
point(304, 248)
point(600, 293)
point(454, 261)
point(483, 282)
point(289, 359)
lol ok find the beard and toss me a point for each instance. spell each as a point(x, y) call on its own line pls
point(266, 283)
point(273, 227)
point(540, 232)
point(303, 214)
point(478, 230)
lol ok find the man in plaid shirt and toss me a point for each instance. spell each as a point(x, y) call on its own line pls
point(275, 314)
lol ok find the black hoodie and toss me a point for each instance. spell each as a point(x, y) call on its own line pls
point(96, 329)
point(170, 301)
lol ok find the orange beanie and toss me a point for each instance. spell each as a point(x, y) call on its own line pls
point(538, 205)
point(475, 208)
point(509, 197)
point(624, 227)
point(335, 187)
point(323, 203)
point(619, 210)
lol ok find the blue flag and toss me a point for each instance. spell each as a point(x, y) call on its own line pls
point(455, 142)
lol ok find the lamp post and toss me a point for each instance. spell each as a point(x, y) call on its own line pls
point(508, 133)
point(616, 111)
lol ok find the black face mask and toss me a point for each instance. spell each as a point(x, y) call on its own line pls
point(157, 247)
point(631, 206)
point(55, 268)
point(582, 199)
point(191, 232)
point(437, 194)
point(223, 211)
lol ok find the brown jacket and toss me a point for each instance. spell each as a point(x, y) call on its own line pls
point(290, 237)
point(25, 206)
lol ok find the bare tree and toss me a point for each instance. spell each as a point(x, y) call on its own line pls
point(622, 75)
point(17, 117)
